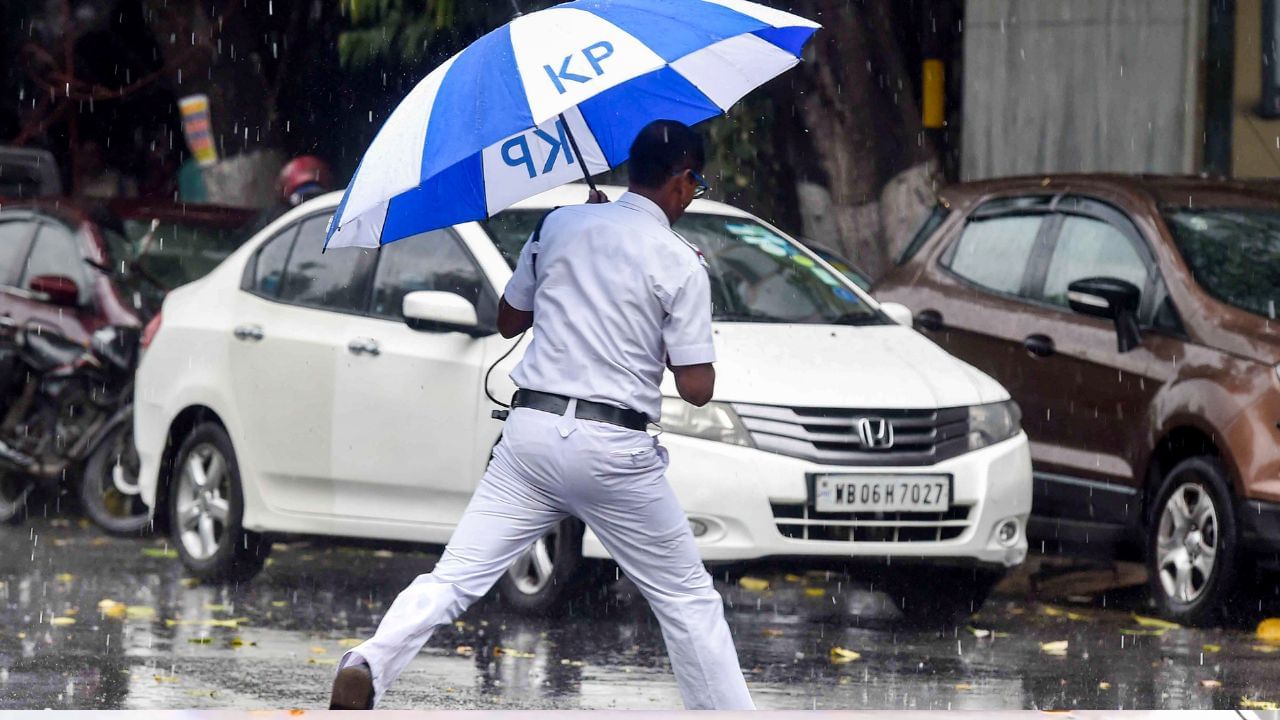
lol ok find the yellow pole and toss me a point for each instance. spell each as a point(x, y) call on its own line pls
point(932, 107)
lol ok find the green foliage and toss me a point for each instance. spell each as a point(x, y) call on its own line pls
point(399, 31)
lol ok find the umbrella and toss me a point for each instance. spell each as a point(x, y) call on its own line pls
point(553, 95)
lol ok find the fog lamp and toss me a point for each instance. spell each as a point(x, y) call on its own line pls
point(1007, 533)
point(697, 527)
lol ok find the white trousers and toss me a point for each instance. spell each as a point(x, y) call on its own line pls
point(548, 467)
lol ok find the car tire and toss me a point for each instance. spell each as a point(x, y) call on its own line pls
point(552, 576)
point(114, 512)
point(1192, 543)
point(939, 597)
point(206, 510)
point(15, 492)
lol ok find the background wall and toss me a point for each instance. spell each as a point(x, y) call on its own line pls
point(1081, 85)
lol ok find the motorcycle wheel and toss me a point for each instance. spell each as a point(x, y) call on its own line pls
point(115, 512)
point(14, 490)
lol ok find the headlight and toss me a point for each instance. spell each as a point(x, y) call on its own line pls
point(713, 421)
point(991, 423)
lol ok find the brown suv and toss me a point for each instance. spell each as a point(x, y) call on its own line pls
point(1134, 319)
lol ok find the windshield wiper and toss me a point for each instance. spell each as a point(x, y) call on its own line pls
point(859, 319)
point(746, 317)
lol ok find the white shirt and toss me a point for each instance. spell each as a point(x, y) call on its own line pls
point(615, 292)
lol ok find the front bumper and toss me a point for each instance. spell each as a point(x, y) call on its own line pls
point(755, 505)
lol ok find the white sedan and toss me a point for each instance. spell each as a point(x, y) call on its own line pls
point(344, 394)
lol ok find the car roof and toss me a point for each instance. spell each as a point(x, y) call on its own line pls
point(1164, 190)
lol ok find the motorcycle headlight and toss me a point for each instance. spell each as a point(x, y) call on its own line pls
point(993, 422)
point(713, 421)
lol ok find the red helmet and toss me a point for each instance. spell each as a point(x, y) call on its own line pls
point(298, 174)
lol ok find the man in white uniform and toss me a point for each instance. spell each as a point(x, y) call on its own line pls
point(613, 295)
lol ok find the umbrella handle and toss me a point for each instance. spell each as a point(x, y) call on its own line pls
point(573, 143)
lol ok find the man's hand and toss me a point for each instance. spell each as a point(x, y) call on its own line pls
point(595, 197)
point(696, 383)
point(512, 322)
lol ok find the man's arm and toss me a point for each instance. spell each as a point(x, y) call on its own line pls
point(696, 383)
point(512, 322)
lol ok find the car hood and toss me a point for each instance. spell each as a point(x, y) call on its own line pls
point(879, 367)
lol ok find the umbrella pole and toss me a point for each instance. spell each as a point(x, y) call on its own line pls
point(573, 143)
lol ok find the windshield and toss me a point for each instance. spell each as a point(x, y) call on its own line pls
point(180, 253)
point(1234, 254)
point(756, 274)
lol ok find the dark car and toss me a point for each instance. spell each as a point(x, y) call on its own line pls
point(57, 256)
point(1134, 319)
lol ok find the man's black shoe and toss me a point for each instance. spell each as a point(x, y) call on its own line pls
point(352, 689)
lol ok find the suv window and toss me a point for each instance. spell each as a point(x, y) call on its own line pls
point(337, 279)
point(14, 237)
point(56, 253)
point(924, 232)
point(434, 261)
point(1088, 247)
point(993, 253)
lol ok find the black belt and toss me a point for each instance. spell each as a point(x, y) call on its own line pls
point(557, 404)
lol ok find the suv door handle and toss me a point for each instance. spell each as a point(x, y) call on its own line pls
point(929, 320)
point(1039, 345)
point(364, 346)
point(248, 333)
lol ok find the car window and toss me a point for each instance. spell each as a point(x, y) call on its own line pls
point(337, 279)
point(1233, 253)
point(14, 241)
point(993, 253)
point(924, 232)
point(56, 253)
point(1086, 248)
point(263, 276)
point(434, 261)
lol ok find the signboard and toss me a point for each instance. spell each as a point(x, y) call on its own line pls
point(198, 129)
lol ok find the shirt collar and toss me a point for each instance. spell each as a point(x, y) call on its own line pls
point(639, 202)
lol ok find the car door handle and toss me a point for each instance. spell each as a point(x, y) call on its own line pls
point(364, 346)
point(1039, 345)
point(929, 320)
point(248, 333)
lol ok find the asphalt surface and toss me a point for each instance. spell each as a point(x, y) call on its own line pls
point(90, 622)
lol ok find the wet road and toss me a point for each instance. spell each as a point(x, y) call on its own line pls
point(92, 622)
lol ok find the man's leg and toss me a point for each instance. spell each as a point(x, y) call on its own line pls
point(506, 514)
point(637, 517)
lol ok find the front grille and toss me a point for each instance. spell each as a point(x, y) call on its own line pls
point(802, 522)
point(830, 435)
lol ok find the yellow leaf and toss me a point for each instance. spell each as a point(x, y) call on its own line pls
point(1265, 648)
point(1269, 630)
point(237, 642)
point(840, 655)
point(465, 650)
point(1057, 647)
point(1052, 611)
point(1212, 648)
point(1248, 704)
point(792, 578)
point(165, 678)
point(510, 652)
point(1211, 683)
point(978, 632)
point(963, 686)
point(188, 582)
point(753, 584)
point(1078, 617)
point(22, 636)
point(140, 612)
point(200, 640)
point(349, 642)
point(322, 661)
point(1155, 622)
point(773, 632)
point(65, 577)
point(572, 663)
point(1144, 631)
point(62, 621)
point(279, 603)
point(229, 623)
point(1104, 686)
point(112, 609)
point(216, 607)
point(317, 650)
point(815, 592)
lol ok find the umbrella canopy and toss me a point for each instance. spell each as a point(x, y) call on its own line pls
point(552, 96)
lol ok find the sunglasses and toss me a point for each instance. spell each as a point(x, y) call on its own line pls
point(702, 188)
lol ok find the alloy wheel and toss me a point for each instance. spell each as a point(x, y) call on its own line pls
point(203, 505)
point(535, 568)
point(1187, 542)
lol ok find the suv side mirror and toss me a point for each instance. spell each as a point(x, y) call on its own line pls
point(57, 290)
point(430, 311)
point(1113, 299)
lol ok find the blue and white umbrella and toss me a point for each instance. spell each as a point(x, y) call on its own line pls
point(552, 96)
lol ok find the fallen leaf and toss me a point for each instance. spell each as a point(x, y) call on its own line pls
point(1052, 611)
point(815, 592)
point(840, 655)
point(239, 642)
point(1144, 631)
point(1104, 686)
point(200, 640)
point(510, 652)
point(1211, 683)
point(1265, 648)
point(1077, 617)
point(140, 612)
point(349, 642)
point(772, 632)
point(792, 578)
point(753, 584)
point(202, 693)
point(465, 650)
point(1212, 648)
point(279, 603)
point(188, 582)
point(1269, 630)
point(62, 621)
point(216, 607)
point(963, 686)
point(572, 663)
point(317, 650)
point(112, 609)
point(1155, 622)
point(978, 632)
point(322, 661)
point(22, 636)
point(1249, 704)
point(165, 678)
point(1057, 647)
point(153, 552)
point(64, 577)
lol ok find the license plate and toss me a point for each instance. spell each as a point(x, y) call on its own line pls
point(887, 493)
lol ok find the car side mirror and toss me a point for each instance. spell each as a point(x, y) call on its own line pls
point(898, 313)
point(1112, 299)
point(430, 311)
point(56, 290)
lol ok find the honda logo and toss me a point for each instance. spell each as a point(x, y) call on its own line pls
point(876, 433)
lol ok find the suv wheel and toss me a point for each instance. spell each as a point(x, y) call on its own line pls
point(923, 603)
point(551, 574)
point(1191, 543)
point(206, 508)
